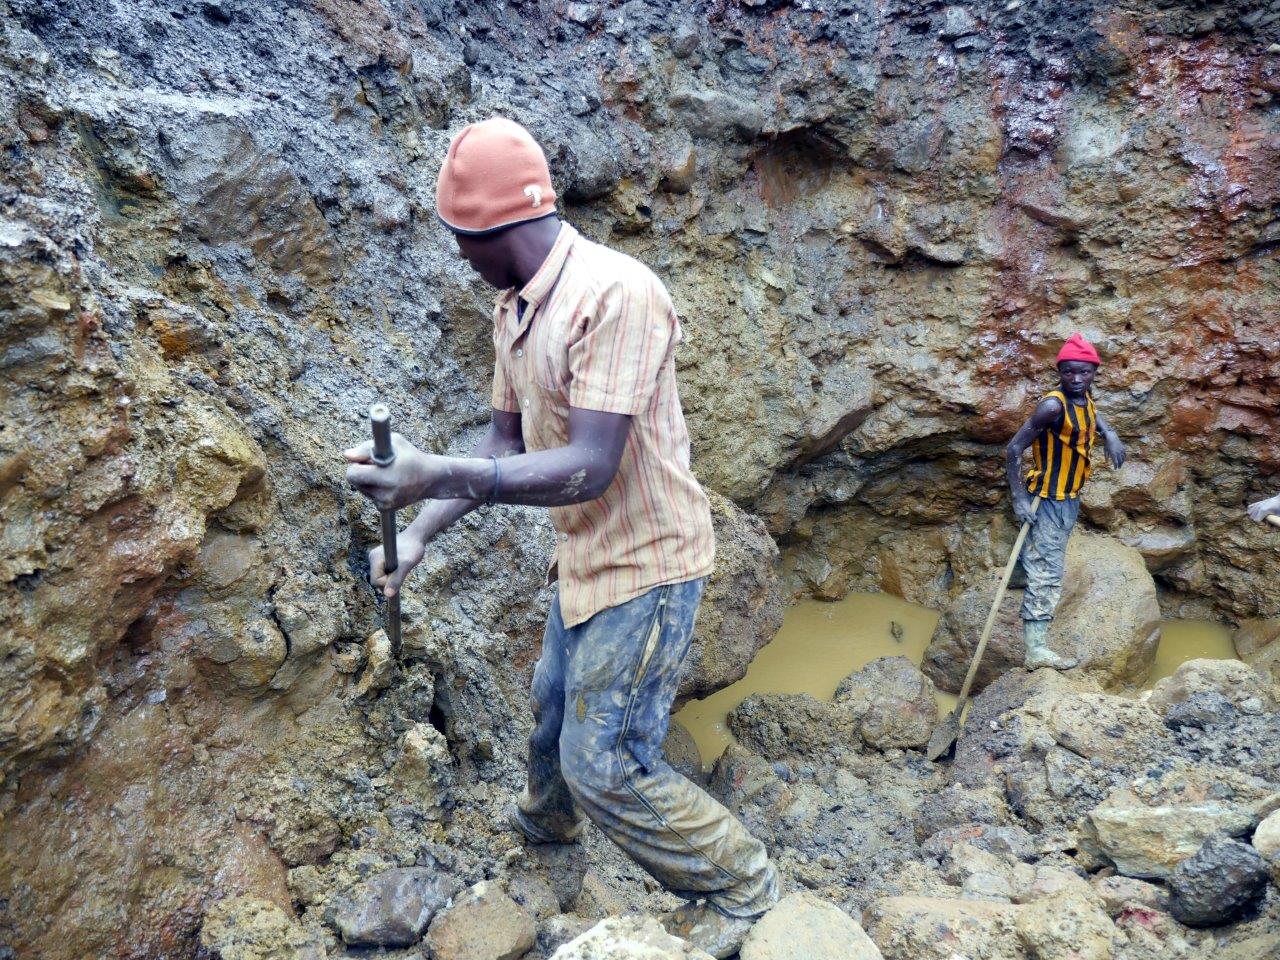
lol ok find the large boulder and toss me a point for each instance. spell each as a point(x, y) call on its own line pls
point(937, 928)
point(893, 703)
point(1225, 881)
point(1108, 617)
point(889, 704)
point(628, 938)
point(779, 726)
point(742, 608)
point(1067, 926)
point(1056, 746)
point(483, 924)
point(806, 927)
point(1257, 643)
point(1150, 827)
point(394, 908)
point(1244, 687)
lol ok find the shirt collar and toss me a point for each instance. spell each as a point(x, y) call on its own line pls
point(542, 282)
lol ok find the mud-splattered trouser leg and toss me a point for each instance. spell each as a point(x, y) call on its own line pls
point(1044, 557)
point(606, 687)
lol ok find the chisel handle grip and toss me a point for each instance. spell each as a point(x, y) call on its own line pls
point(1273, 519)
point(380, 419)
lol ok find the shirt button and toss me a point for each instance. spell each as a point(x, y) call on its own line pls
point(526, 401)
point(564, 538)
point(520, 352)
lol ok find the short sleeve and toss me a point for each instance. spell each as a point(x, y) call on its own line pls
point(614, 366)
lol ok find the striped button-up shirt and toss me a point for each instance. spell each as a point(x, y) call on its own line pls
point(598, 332)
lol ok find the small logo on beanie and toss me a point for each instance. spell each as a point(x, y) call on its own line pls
point(534, 193)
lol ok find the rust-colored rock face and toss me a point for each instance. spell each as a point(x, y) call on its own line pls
point(878, 220)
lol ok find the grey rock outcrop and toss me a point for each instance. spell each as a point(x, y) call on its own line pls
point(1224, 881)
point(892, 703)
point(394, 908)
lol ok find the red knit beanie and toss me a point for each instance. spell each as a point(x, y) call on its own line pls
point(1078, 348)
point(495, 175)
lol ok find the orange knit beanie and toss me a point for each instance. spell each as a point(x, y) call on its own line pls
point(494, 176)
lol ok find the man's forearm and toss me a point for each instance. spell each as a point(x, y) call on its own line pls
point(439, 515)
point(1013, 472)
point(1104, 427)
point(548, 478)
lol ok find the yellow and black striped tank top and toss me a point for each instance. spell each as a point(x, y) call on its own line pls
point(1062, 459)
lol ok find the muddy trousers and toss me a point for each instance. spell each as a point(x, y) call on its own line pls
point(602, 695)
point(1044, 556)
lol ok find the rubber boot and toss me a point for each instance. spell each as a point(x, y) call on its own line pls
point(526, 828)
point(1035, 634)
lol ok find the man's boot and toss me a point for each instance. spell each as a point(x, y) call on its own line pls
point(703, 926)
point(1035, 633)
point(531, 832)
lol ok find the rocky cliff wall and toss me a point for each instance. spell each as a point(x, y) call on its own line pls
point(217, 247)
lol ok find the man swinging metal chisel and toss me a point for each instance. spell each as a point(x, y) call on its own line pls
point(587, 421)
point(1061, 434)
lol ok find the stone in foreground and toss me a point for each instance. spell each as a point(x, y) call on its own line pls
point(1225, 881)
point(1119, 893)
point(246, 928)
point(1266, 840)
point(1245, 688)
point(938, 928)
point(893, 702)
point(394, 908)
point(1149, 827)
point(628, 938)
point(806, 927)
point(1067, 926)
point(484, 924)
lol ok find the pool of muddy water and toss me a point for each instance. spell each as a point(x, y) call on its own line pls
point(821, 643)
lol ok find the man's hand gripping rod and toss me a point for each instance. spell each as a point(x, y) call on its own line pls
point(384, 455)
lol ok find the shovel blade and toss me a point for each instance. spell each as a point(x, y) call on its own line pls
point(944, 735)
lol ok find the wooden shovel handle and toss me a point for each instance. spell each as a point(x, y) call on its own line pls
point(995, 608)
point(1273, 519)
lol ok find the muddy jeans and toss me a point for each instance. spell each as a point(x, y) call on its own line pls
point(1044, 557)
point(602, 694)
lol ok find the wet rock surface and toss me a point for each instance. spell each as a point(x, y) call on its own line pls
point(1243, 687)
point(1108, 619)
point(1224, 881)
point(217, 248)
point(892, 702)
point(394, 908)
